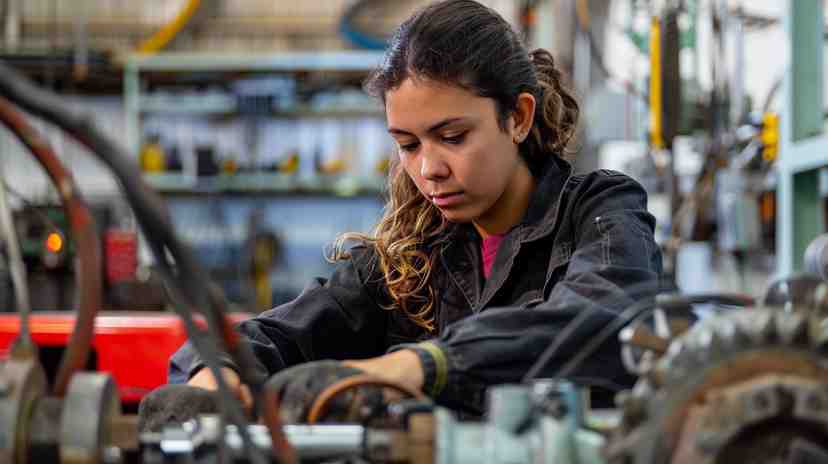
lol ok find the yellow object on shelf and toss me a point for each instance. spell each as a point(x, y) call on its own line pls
point(335, 166)
point(770, 136)
point(152, 158)
point(229, 166)
point(289, 165)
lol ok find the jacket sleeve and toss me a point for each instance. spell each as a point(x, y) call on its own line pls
point(336, 318)
point(615, 262)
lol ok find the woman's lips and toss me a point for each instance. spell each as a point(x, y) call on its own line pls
point(443, 200)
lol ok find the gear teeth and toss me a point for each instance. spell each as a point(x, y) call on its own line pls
point(710, 341)
point(792, 328)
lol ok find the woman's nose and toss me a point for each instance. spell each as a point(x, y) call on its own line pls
point(434, 167)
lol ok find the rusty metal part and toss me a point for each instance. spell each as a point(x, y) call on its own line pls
point(803, 292)
point(642, 337)
point(284, 450)
point(22, 384)
point(731, 411)
point(727, 354)
point(90, 408)
point(84, 234)
point(322, 402)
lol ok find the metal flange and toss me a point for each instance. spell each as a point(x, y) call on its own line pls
point(22, 383)
point(90, 408)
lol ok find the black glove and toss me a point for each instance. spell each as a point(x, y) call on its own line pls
point(298, 388)
point(174, 404)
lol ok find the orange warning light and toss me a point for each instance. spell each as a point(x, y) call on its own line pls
point(54, 242)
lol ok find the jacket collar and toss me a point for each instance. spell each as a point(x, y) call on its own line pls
point(540, 216)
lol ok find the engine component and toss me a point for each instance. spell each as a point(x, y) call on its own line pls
point(200, 441)
point(537, 425)
point(725, 388)
point(22, 383)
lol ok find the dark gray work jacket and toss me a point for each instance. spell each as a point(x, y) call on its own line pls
point(585, 243)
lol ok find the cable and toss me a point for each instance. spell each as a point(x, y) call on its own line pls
point(18, 273)
point(148, 206)
point(31, 205)
point(167, 33)
point(85, 235)
point(644, 308)
point(634, 311)
point(556, 344)
point(270, 405)
point(322, 403)
point(354, 35)
point(154, 220)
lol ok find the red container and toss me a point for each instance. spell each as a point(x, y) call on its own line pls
point(134, 347)
point(121, 255)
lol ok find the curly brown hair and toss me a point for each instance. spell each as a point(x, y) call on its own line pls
point(462, 43)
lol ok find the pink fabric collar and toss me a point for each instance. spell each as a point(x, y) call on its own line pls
point(488, 249)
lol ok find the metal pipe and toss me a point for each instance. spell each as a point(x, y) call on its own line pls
point(309, 441)
point(85, 235)
point(18, 269)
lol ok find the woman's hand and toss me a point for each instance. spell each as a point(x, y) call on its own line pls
point(400, 366)
point(205, 379)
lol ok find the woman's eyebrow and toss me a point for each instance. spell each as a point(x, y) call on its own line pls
point(433, 128)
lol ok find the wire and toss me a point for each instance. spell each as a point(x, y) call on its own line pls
point(644, 308)
point(152, 215)
point(167, 33)
point(322, 403)
point(567, 333)
point(638, 309)
point(31, 205)
point(86, 238)
point(270, 405)
point(354, 35)
point(18, 271)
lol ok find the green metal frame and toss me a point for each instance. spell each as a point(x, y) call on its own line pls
point(803, 145)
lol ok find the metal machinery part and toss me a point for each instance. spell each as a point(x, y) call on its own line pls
point(540, 424)
point(746, 386)
point(200, 440)
point(80, 428)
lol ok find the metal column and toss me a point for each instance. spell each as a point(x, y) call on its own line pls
point(803, 146)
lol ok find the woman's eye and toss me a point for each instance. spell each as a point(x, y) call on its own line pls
point(409, 147)
point(454, 139)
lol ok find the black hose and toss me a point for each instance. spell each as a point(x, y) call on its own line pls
point(154, 220)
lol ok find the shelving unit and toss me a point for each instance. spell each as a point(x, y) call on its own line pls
point(265, 184)
point(139, 104)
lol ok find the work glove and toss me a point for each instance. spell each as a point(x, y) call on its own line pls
point(174, 404)
point(299, 387)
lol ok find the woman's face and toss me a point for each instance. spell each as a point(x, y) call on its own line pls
point(452, 147)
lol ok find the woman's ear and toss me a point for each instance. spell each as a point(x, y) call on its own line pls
point(523, 116)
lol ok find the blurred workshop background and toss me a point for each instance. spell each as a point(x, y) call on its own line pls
point(249, 118)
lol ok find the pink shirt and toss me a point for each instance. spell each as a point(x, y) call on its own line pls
point(488, 248)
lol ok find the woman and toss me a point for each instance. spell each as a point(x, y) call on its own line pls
point(488, 246)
